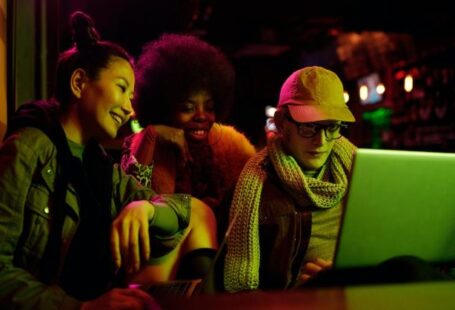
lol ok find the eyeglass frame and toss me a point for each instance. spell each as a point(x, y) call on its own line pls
point(316, 128)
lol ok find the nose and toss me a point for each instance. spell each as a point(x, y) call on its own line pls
point(319, 138)
point(127, 108)
point(200, 113)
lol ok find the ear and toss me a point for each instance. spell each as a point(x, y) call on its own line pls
point(77, 81)
point(278, 119)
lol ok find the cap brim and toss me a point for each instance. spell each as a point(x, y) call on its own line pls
point(315, 113)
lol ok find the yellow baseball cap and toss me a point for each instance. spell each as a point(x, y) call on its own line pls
point(314, 94)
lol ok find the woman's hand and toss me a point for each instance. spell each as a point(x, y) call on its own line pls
point(130, 235)
point(311, 269)
point(176, 137)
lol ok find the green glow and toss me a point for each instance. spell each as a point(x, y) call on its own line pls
point(379, 120)
point(135, 126)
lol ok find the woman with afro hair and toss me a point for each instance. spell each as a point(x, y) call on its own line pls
point(184, 90)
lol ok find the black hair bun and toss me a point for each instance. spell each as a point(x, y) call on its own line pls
point(84, 32)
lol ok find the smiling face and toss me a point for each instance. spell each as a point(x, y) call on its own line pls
point(195, 116)
point(105, 102)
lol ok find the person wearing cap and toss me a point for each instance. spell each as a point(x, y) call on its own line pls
point(287, 204)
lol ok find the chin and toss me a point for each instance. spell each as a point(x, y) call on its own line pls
point(197, 141)
point(109, 133)
point(312, 165)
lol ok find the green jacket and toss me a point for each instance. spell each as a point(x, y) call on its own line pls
point(28, 166)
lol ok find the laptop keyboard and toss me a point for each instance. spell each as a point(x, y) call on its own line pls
point(181, 288)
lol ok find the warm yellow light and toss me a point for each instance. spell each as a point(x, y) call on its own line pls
point(346, 96)
point(408, 83)
point(270, 111)
point(380, 89)
point(363, 92)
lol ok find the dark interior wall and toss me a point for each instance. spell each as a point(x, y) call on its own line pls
point(131, 23)
point(33, 34)
point(22, 48)
point(265, 41)
point(3, 62)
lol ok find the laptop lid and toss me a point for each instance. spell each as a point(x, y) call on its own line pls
point(398, 203)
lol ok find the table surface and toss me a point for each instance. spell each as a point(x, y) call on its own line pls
point(427, 295)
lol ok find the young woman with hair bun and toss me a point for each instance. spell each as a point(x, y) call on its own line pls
point(69, 218)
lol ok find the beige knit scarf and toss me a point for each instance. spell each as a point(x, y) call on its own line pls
point(241, 271)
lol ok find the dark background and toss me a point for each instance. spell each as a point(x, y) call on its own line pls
point(267, 40)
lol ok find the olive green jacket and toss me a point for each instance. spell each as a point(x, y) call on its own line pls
point(28, 166)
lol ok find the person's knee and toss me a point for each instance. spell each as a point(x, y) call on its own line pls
point(202, 228)
point(201, 212)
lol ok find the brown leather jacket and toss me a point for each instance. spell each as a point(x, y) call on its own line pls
point(284, 233)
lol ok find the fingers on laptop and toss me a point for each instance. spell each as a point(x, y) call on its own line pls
point(310, 269)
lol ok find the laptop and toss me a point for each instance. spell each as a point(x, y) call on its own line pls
point(398, 203)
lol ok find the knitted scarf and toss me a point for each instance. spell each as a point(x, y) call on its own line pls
point(241, 271)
